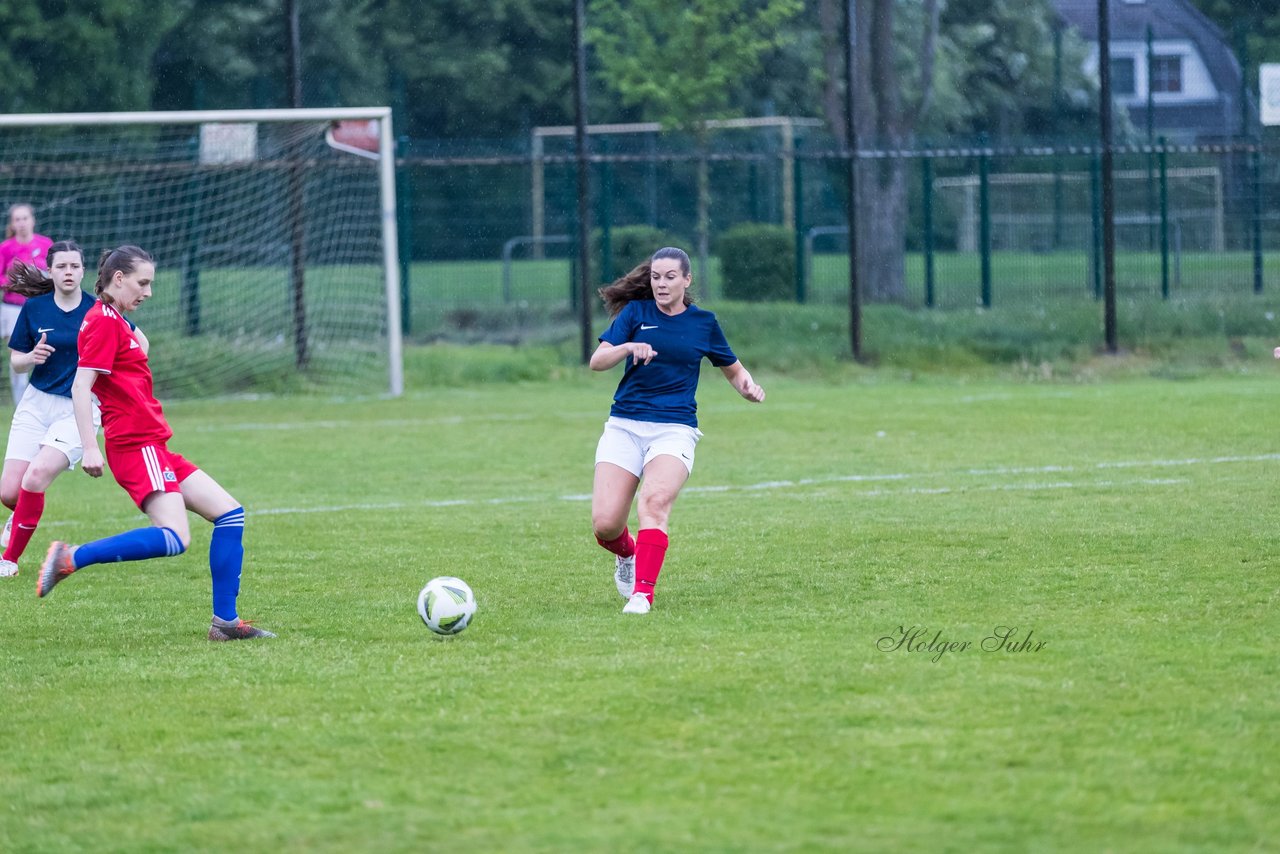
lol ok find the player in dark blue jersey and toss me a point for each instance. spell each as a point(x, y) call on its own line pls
point(653, 426)
point(43, 439)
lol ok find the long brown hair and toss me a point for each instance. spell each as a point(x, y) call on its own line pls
point(28, 280)
point(123, 259)
point(638, 285)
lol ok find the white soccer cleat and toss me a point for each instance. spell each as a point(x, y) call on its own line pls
point(637, 604)
point(625, 576)
point(8, 569)
point(4, 537)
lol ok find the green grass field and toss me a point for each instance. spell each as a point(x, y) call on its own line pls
point(1130, 528)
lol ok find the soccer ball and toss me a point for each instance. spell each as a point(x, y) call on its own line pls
point(446, 605)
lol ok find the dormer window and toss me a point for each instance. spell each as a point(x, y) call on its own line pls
point(1166, 74)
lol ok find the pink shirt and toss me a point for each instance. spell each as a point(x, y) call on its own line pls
point(33, 252)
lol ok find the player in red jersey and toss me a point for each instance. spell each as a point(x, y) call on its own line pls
point(113, 365)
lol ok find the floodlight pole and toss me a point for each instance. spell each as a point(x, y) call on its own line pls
point(1108, 178)
point(851, 142)
point(584, 177)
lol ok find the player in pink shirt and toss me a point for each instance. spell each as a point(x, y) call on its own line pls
point(113, 365)
point(21, 243)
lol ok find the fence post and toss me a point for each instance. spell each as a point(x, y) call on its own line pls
point(798, 206)
point(1164, 220)
point(1095, 220)
point(926, 179)
point(1257, 217)
point(984, 220)
point(191, 261)
point(1151, 112)
point(753, 190)
point(404, 232)
point(606, 214)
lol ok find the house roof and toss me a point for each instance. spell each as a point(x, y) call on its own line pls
point(1169, 19)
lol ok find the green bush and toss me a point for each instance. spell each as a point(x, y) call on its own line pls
point(757, 262)
point(629, 246)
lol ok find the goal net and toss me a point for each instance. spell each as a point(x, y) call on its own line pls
point(275, 247)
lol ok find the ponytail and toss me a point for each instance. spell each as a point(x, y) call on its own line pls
point(634, 285)
point(28, 280)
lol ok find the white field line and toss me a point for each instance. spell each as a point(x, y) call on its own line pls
point(776, 485)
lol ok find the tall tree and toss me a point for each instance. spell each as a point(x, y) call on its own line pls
point(79, 55)
point(224, 54)
point(933, 68)
point(678, 61)
point(480, 68)
point(891, 97)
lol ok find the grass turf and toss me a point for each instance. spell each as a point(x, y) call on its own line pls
point(1129, 526)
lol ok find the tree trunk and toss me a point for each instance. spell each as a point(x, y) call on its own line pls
point(882, 230)
point(883, 121)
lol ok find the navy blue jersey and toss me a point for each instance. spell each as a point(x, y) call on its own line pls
point(42, 315)
point(663, 390)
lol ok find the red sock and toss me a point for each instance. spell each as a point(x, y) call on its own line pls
point(622, 545)
point(651, 548)
point(26, 516)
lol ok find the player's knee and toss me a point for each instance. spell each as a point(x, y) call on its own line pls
point(606, 527)
point(38, 477)
point(656, 506)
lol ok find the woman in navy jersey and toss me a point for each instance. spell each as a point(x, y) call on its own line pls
point(43, 438)
point(113, 366)
point(653, 425)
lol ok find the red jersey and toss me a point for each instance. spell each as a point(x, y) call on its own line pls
point(131, 415)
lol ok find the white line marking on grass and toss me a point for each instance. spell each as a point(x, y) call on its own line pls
point(347, 424)
point(775, 485)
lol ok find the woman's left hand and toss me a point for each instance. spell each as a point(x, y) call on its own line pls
point(752, 391)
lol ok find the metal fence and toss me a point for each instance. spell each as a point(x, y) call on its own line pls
point(489, 225)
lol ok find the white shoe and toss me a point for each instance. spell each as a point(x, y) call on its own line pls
point(625, 576)
point(8, 569)
point(4, 537)
point(637, 604)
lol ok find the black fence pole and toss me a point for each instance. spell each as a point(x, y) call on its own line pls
point(926, 181)
point(851, 138)
point(297, 192)
point(1255, 159)
point(584, 174)
point(1108, 179)
point(984, 222)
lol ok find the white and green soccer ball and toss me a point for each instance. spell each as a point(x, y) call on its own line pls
point(446, 605)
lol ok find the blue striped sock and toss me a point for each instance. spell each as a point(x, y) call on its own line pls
point(226, 557)
point(138, 544)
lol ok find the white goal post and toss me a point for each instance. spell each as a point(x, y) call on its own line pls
point(63, 163)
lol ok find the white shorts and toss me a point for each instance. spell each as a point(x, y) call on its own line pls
point(46, 419)
point(631, 444)
point(8, 318)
